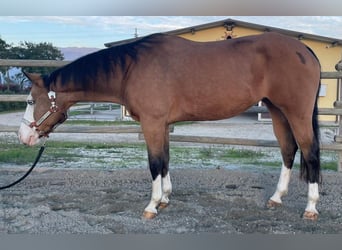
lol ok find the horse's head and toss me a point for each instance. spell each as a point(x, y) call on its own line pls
point(42, 113)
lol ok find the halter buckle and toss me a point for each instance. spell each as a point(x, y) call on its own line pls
point(52, 95)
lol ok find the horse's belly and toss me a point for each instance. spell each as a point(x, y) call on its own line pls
point(213, 111)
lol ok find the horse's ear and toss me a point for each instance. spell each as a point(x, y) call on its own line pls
point(35, 78)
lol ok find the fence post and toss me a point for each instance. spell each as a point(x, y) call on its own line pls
point(339, 152)
point(339, 164)
point(92, 108)
point(339, 97)
point(339, 133)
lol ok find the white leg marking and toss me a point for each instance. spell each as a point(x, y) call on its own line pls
point(167, 189)
point(283, 184)
point(156, 195)
point(313, 196)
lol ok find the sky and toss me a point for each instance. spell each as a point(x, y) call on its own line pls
point(94, 31)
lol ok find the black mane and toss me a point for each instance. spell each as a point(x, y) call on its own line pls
point(84, 71)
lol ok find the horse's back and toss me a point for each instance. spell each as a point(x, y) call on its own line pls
point(214, 80)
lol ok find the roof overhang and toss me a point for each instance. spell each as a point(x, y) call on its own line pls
point(230, 23)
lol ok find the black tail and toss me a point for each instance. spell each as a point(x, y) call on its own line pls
point(310, 170)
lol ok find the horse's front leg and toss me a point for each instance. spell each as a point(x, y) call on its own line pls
point(161, 185)
point(158, 156)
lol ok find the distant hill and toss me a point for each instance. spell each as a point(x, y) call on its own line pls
point(72, 53)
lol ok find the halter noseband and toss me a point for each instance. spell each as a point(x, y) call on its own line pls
point(53, 109)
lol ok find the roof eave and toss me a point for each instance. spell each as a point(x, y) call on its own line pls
point(226, 22)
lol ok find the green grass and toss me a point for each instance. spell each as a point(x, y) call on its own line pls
point(119, 155)
point(17, 154)
point(329, 165)
point(230, 155)
point(20, 154)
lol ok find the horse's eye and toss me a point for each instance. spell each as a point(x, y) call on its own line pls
point(30, 102)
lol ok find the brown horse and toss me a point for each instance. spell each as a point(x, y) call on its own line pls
point(163, 79)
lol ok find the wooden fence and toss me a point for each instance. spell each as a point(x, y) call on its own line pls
point(336, 145)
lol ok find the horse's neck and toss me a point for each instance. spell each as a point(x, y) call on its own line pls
point(100, 92)
point(105, 87)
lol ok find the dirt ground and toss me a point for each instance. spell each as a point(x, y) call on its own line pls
point(204, 200)
point(60, 201)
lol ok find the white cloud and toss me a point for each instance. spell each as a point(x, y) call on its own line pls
point(94, 31)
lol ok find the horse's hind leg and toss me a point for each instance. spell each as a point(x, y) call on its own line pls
point(157, 140)
point(299, 127)
point(306, 134)
point(288, 147)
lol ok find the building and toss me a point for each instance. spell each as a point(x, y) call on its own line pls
point(327, 49)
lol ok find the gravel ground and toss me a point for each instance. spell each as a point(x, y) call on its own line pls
point(232, 201)
point(205, 200)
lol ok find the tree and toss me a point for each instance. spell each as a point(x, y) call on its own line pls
point(4, 53)
point(29, 50)
point(40, 51)
point(3, 49)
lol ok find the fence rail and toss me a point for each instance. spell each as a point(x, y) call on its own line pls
point(13, 98)
point(337, 110)
point(32, 63)
point(334, 146)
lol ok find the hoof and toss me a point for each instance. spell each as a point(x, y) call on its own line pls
point(310, 216)
point(163, 205)
point(272, 204)
point(149, 215)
